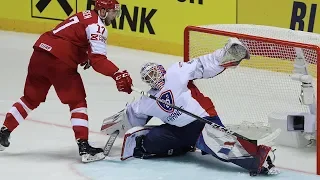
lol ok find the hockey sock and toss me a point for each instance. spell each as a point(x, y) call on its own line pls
point(79, 120)
point(16, 115)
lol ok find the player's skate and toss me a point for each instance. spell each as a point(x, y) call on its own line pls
point(89, 153)
point(267, 168)
point(4, 138)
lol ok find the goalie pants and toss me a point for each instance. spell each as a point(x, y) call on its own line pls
point(170, 140)
point(44, 71)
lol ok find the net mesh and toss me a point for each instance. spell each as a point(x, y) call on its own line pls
point(261, 85)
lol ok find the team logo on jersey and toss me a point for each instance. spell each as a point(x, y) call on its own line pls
point(168, 97)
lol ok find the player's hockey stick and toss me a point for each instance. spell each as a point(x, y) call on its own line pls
point(214, 125)
point(109, 144)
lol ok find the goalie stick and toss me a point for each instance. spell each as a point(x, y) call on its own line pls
point(214, 125)
point(110, 142)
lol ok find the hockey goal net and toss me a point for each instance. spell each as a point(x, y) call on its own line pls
point(261, 85)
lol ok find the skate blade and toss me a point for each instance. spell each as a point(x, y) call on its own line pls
point(86, 158)
point(2, 148)
point(273, 171)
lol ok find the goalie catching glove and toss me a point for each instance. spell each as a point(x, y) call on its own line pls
point(234, 52)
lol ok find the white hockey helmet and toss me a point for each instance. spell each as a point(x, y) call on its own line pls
point(153, 75)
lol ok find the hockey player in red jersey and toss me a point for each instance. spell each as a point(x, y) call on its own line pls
point(80, 39)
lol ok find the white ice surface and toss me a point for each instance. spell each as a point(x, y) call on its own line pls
point(43, 147)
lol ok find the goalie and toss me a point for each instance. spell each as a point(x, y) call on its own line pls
point(181, 133)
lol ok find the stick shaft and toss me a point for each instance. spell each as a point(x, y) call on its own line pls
point(214, 125)
point(109, 144)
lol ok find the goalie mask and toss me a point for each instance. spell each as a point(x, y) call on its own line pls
point(153, 74)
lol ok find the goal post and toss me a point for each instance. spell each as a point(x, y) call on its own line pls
point(263, 88)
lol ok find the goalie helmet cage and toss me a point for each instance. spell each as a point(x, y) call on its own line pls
point(261, 85)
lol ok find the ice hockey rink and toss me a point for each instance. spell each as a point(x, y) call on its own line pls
point(43, 147)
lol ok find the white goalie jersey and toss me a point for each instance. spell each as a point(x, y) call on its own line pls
point(175, 91)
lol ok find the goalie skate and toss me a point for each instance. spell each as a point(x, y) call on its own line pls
point(89, 153)
point(268, 168)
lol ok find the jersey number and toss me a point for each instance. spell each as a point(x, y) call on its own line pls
point(73, 20)
point(99, 29)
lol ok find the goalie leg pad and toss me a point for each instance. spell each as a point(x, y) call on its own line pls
point(228, 148)
point(209, 142)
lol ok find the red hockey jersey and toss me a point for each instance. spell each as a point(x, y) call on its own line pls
point(79, 38)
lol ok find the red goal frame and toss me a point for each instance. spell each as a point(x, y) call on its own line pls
point(188, 29)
